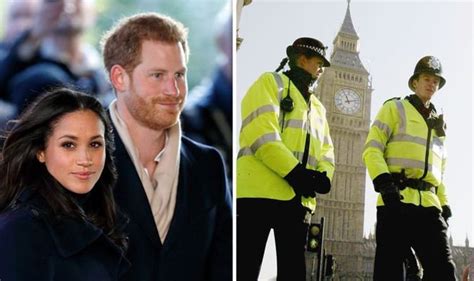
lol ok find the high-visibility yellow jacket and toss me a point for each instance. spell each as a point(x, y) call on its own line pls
point(272, 142)
point(398, 139)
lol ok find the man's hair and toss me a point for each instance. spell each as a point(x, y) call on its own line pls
point(122, 44)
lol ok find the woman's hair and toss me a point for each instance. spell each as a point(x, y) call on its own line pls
point(21, 170)
point(293, 58)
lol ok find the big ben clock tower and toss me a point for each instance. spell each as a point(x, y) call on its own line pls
point(345, 90)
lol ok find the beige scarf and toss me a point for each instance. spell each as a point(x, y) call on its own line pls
point(162, 187)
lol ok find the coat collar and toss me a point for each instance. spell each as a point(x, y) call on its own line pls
point(70, 235)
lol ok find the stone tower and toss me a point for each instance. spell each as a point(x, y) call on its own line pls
point(345, 90)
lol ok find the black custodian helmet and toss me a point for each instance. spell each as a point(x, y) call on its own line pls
point(310, 46)
point(428, 65)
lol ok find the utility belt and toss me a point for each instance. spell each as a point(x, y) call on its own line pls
point(403, 182)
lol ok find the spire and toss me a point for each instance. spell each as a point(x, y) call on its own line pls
point(347, 26)
point(346, 45)
point(466, 242)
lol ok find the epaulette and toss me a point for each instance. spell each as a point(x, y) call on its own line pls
point(395, 98)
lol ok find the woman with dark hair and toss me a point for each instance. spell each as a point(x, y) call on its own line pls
point(58, 219)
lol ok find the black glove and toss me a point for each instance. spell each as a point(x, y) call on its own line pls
point(389, 190)
point(446, 213)
point(304, 181)
point(323, 184)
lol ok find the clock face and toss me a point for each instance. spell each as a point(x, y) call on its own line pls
point(347, 101)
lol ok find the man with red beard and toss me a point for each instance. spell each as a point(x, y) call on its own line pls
point(173, 189)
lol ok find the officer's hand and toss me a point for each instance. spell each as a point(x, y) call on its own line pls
point(446, 213)
point(389, 190)
point(323, 184)
point(302, 180)
point(391, 196)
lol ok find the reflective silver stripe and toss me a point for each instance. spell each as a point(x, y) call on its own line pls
point(436, 173)
point(298, 155)
point(327, 140)
point(294, 123)
point(328, 159)
point(263, 140)
point(408, 138)
point(259, 111)
point(407, 163)
point(315, 134)
point(244, 151)
point(383, 127)
point(403, 121)
point(438, 142)
point(375, 144)
point(414, 164)
point(316, 118)
point(437, 147)
point(311, 159)
point(279, 82)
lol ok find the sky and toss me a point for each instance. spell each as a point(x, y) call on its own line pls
point(393, 36)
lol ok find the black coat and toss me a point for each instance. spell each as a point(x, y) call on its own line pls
point(33, 248)
point(198, 245)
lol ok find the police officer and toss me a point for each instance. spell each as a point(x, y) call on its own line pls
point(286, 156)
point(405, 156)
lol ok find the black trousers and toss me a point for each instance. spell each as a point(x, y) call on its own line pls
point(421, 228)
point(255, 218)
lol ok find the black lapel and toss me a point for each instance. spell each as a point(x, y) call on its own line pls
point(130, 194)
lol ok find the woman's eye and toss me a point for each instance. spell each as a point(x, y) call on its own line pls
point(96, 144)
point(68, 145)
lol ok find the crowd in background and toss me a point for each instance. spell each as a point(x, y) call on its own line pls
point(48, 44)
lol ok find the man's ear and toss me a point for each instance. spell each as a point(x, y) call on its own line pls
point(119, 78)
point(40, 156)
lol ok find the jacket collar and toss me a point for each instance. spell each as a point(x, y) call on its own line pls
point(302, 80)
point(418, 104)
point(70, 235)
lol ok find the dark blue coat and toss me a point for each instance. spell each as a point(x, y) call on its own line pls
point(33, 248)
point(198, 245)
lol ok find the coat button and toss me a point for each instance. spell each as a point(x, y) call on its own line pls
point(35, 212)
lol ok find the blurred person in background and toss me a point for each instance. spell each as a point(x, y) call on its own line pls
point(207, 117)
point(52, 53)
point(18, 18)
